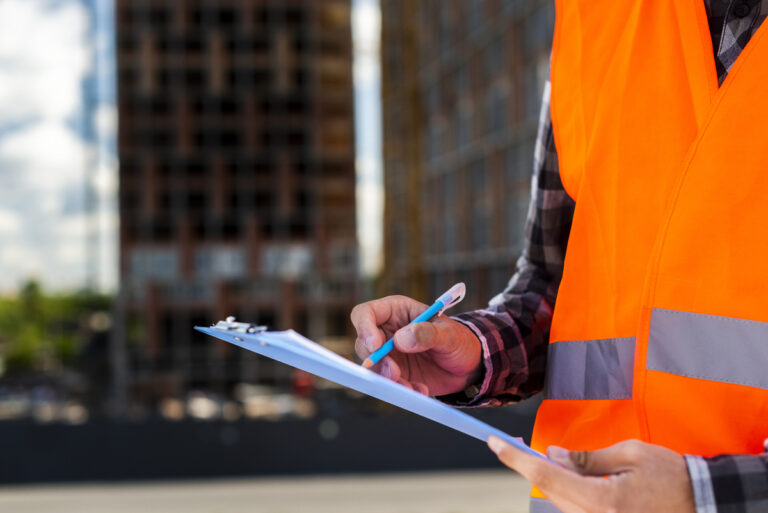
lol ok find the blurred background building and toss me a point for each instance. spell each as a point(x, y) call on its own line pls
point(237, 183)
point(249, 148)
point(461, 90)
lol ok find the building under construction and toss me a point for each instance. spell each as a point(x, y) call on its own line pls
point(237, 182)
point(461, 86)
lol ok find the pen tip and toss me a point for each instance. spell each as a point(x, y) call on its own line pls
point(367, 363)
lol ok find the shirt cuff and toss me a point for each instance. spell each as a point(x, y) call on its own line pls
point(701, 482)
point(476, 394)
point(480, 389)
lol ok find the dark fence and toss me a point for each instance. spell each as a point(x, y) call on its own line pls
point(156, 449)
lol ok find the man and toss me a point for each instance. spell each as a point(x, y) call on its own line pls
point(656, 186)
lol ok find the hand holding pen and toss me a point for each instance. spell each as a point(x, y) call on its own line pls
point(438, 357)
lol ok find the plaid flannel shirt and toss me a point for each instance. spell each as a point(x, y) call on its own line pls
point(514, 328)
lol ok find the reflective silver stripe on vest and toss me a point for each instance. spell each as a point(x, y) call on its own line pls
point(711, 347)
point(590, 369)
point(539, 505)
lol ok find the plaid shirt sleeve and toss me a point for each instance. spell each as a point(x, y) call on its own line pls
point(729, 483)
point(514, 328)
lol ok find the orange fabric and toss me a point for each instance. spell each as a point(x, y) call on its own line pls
point(711, 258)
point(644, 139)
point(622, 422)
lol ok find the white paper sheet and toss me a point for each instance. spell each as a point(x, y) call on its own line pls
point(297, 351)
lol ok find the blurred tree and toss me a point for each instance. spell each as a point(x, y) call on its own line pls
point(46, 332)
point(31, 300)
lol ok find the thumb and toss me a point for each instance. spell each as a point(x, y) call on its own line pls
point(416, 338)
point(611, 460)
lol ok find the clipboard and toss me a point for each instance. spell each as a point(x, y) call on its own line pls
point(291, 348)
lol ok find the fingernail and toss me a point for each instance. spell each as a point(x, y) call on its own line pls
point(420, 332)
point(368, 343)
point(409, 337)
point(559, 454)
point(495, 444)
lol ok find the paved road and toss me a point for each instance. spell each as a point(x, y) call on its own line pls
point(444, 492)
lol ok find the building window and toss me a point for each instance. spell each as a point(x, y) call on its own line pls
point(287, 261)
point(154, 263)
point(220, 262)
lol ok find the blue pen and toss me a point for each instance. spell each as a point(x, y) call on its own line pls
point(443, 303)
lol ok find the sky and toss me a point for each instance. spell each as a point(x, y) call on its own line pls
point(58, 148)
point(49, 137)
point(366, 30)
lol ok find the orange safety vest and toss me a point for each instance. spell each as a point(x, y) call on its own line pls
point(660, 331)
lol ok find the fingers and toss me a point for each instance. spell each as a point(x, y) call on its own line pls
point(554, 480)
point(418, 387)
point(416, 338)
point(611, 460)
point(369, 319)
point(562, 456)
point(390, 369)
point(366, 318)
point(361, 350)
point(442, 334)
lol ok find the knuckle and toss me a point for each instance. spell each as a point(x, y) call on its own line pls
point(357, 310)
point(360, 349)
point(633, 448)
point(398, 299)
point(362, 315)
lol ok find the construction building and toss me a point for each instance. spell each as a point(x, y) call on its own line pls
point(461, 88)
point(237, 180)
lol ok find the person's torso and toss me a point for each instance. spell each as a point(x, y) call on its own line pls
point(661, 314)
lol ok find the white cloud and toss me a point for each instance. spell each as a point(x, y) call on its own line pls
point(105, 121)
point(48, 154)
point(368, 169)
point(44, 57)
point(366, 34)
point(366, 70)
point(366, 26)
point(370, 202)
point(105, 180)
point(19, 261)
point(10, 224)
point(71, 235)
